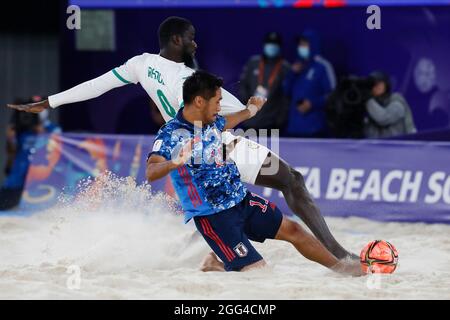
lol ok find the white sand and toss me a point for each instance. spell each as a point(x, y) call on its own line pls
point(129, 246)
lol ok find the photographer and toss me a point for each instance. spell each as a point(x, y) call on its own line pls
point(21, 135)
point(388, 114)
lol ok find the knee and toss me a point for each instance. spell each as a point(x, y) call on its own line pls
point(296, 180)
point(292, 230)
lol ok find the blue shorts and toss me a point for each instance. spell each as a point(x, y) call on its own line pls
point(228, 232)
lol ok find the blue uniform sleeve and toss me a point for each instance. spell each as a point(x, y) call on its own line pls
point(162, 145)
point(220, 122)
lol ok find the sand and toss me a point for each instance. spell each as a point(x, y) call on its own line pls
point(126, 243)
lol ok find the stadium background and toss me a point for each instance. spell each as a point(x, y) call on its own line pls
point(123, 240)
point(411, 46)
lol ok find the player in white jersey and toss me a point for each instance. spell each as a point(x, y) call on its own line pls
point(162, 76)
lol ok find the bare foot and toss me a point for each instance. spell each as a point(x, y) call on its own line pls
point(349, 267)
point(353, 256)
point(211, 263)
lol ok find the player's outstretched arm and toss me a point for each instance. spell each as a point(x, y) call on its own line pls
point(158, 166)
point(253, 106)
point(31, 107)
point(86, 90)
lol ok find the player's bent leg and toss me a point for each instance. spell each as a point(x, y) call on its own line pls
point(305, 243)
point(314, 250)
point(224, 234)
point(252, 158)
point(291, 183)
point(211, 263)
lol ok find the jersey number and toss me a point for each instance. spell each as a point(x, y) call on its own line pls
point(165, 104)
point(259, 204)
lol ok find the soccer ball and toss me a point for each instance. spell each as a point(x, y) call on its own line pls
point(379, 256)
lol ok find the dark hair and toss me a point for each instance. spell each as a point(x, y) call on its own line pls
point(24, 121)
point(170, 27)
point(273, 37)
point(200, 83)
point(380, 76)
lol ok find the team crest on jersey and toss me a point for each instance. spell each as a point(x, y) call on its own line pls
point(157, 145)
point(241, 250)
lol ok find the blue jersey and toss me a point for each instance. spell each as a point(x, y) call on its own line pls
point(207, 184)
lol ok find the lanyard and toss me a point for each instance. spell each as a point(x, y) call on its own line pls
point(273, 74)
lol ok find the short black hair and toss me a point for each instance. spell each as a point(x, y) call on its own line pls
point(301, 38)
point(170, 27)
point(200, 83)
point(273, 37)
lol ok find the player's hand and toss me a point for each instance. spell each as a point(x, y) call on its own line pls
point(305, 106)
point(184, 155)
point(255, 104)
point(257, 101)
point(297, 67)
point(31, 107)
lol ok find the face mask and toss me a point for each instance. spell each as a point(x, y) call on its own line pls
point(271, 50)
point(303, 52)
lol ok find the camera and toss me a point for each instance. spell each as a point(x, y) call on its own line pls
point(345, 107)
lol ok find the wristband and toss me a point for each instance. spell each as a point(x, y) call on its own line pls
point(253, 110)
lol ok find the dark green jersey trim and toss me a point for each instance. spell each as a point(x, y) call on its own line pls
point(120, 77)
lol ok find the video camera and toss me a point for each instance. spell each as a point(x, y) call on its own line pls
point(345, 109)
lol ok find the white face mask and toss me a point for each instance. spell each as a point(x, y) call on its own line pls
point(271, 50)
point(303, 52)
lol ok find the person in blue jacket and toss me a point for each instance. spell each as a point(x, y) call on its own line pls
point(307, 85)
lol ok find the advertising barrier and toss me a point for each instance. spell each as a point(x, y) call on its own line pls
point(380, 180)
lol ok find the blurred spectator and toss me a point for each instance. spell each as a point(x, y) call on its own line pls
point(22, 132)
point(388, 114)
point(307, 85)
point(263, 76)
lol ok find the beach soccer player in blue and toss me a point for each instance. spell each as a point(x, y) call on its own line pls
point(189, 148)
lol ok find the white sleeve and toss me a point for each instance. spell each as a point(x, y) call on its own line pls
point(117, 77)
point(230, 104)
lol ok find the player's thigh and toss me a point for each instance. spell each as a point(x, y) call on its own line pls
point(225, 236)
point(263, 219)
point(249, 157)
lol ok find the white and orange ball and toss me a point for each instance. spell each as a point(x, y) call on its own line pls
point(379, 256)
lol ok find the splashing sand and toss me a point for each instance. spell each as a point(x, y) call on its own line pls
point(130, 243)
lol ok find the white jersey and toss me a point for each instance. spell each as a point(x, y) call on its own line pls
point(161, 78)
